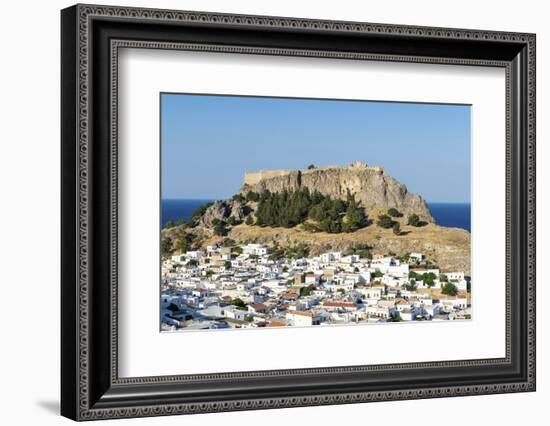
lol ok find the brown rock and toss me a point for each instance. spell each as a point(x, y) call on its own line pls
point(372, 187)
point(222, 210)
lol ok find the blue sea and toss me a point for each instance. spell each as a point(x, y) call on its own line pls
point(176, 209)
point(454, 215)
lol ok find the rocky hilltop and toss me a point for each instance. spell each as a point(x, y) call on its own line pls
point(373, 188)
point(239, 219)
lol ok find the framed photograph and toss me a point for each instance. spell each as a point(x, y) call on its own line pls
point(264, 212)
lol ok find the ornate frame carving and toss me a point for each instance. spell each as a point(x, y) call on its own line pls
point(84, 397)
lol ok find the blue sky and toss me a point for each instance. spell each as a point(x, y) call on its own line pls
point(208, 142)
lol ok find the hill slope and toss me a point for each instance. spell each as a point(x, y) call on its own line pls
point(235, 221)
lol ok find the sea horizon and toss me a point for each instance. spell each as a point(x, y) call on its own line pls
point(448, 214)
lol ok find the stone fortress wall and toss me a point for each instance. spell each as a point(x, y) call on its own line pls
point(253, 178)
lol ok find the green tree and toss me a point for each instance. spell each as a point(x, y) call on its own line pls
point(290, 208)
point(413, 220)
point(449, 289)
point(227, 264)
point(169, 224)
point(252, 196)
point(311, 166)
point(405, 257)
point(173, 307)
point(443, 278)
point(238, 303)
point(362, 250)
point(276, 254)
point(232, 221)
point(396, 228)
point(297, 251)
point(237, 250)
point(183, 242)
point(384, 221)
point(393, 212)
point(239, 197)
point(310, 227)
point(396, 318)
point(166, 247)
point(411, 285)
point(249, 220)
point(219, 227)
point(355, 216)
point(429, 279)
point(306, 291)
point(227, 242)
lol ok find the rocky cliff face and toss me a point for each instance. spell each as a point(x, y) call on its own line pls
point(222, 210)
point(373, 188)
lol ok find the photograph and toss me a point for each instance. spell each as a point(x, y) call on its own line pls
point(298, 212)
point(264, 209)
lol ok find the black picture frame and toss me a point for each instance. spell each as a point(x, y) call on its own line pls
point(90, 386)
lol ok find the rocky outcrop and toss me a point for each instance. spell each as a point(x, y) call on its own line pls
point(222, 211)
point(216, 211)
point(373, 188)
point(236, 209)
